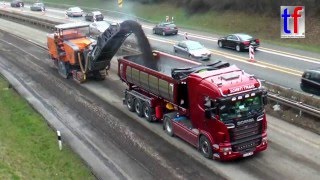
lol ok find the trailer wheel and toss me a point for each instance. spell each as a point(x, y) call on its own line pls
point(205, 147)
point(148, 112)
point(167, 126)
point(130, 102)
point(138, 107)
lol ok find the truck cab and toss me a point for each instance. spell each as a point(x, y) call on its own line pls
point(226, 117)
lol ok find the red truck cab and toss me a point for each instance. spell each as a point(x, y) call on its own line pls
point(226, 118)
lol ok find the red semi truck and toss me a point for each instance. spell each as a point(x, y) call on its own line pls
point(217, 108)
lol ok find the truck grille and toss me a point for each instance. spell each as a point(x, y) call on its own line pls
point(239, 134)
point(246, 146)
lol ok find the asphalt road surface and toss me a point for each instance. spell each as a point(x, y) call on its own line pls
point(142, 149)
point(276, 64)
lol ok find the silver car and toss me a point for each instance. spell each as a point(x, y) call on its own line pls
point(37, 7)
point(98, 27)
point(192, 49)
point(74, 11)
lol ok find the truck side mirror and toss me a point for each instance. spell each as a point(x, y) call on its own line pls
point(265, 100)
point(207, 113)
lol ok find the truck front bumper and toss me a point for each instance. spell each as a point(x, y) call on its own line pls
point(231, 155)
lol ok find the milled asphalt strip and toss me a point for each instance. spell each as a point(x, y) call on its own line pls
point(99, 168)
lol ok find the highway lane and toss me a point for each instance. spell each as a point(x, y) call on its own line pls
point(123, 147)
point(293, 153)
point(281, 65)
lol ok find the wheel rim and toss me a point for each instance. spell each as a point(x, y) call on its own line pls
point(220, 44)
point(137, 107)
point(146, 112)
point(168, 126)
point(238, 48)
point(163, 33)
point(205, 147)
point(129, 102)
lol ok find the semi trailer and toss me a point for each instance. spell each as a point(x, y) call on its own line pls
point(217, 108)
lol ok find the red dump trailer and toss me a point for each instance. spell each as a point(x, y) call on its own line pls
point(216, 107)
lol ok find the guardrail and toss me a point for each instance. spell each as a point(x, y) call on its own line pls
point(280, 99)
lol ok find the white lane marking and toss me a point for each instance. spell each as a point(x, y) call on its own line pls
point(290, 56)
point(306, 57)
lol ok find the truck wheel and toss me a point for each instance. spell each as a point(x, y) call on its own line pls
point(130, 102)
point(205, 147)
point(138, 107)
point(100, 75)
point(148, 112)
point(167, 126)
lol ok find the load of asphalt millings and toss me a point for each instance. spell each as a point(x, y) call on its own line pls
point(143, 42)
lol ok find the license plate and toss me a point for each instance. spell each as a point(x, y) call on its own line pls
point(247, 154)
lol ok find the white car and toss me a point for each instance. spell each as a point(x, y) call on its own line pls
point(74, 12)
point(98, 27)
point(192, 49)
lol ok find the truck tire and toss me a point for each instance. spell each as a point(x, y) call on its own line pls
point(138, 107)
point(100, 75)
point(205, 147)
point(148, 112)
point(167, 126)
point(130, 102)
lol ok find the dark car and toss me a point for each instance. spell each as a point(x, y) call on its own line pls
point(37, 7)
point(192, 49)
point(310, 81)
point(17, 3)
point(239, 42)
point(165, 29)
point(94, 16)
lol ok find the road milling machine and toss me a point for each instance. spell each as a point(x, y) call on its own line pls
point(76, 54)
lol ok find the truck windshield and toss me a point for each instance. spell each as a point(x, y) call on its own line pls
point(75, 33)
point(240, 108)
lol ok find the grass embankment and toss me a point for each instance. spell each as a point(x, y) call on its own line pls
point(263, 27)
point(28, 147)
